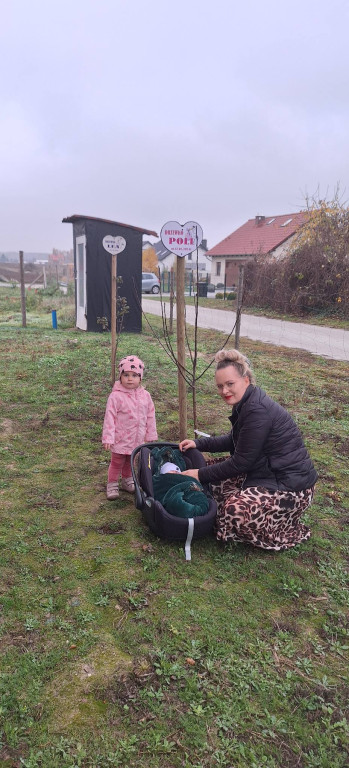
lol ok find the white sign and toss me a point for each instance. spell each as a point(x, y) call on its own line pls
point(114, 244)
point(181, 239)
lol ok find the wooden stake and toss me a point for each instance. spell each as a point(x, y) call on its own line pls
point(170, 330)
point(239, 305)
point(21, 270)
point(113, 315)
point(182, 390)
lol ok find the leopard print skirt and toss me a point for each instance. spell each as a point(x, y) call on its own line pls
point(266, 519)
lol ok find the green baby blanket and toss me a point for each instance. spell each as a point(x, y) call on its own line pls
point(180, 495)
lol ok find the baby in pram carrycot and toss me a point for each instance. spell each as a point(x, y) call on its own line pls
point(163, 523)
point(180, 495)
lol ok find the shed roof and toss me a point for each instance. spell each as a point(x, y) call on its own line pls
point(260, 235)
point(78, 216)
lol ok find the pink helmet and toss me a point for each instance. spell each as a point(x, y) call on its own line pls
point(131, 363)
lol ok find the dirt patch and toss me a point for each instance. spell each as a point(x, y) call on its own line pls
point(125, 689)
point(10, 757)
point(7, 429)
point(343, 446)
point(44, 500)
point(17, 640)
point(110, 528)
point(75, 416)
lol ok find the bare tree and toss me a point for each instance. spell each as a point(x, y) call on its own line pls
point(165, 341)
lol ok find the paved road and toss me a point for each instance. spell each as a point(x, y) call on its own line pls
point(320, 340)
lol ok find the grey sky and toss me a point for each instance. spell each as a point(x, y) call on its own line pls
point(143, 111)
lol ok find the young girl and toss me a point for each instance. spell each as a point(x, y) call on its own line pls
point(129, 421)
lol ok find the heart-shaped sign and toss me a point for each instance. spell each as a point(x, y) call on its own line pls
point(114, 244)
point(181, 239)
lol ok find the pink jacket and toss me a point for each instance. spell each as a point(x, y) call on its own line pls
point(129, 419)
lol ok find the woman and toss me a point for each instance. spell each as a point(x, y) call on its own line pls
point(268, 480)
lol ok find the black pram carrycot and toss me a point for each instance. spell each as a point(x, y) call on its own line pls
point(161, 522)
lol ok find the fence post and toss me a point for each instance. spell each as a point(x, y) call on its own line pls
point(21, 271)
point(239, 305)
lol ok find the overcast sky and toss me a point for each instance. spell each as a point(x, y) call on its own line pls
point(142, 111)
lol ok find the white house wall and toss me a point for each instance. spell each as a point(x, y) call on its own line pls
point(170, 259)
point(215, 279)
point(282, 250)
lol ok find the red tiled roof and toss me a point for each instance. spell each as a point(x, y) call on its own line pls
point(259, 235)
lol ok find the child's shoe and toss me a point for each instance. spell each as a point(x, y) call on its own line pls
point(112, 491)
point(127, 484)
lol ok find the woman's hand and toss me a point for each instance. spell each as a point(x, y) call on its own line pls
point(191, 472)
point(185, 444)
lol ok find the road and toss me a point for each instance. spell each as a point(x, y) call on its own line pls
point(317, 339)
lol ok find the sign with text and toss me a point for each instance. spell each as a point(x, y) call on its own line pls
point(114, 244)
point(181, 239)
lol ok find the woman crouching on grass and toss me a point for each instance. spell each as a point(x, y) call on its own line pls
point(268, 480)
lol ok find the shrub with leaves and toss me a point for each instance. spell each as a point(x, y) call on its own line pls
point(314, 276)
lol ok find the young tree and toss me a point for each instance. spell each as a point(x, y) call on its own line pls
point(189, 373)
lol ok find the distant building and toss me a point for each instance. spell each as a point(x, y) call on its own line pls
point(166, 259)
point(261, 236)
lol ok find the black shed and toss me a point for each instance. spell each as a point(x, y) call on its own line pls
point(92, 271)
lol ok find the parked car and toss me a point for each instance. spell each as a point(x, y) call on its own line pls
point(150, 283)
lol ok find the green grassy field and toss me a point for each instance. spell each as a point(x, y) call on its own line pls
point(113, 650)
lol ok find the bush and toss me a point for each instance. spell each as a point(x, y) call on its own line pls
point(33, 299)
point(231, 296)
point(314, 276)
point(219, 296)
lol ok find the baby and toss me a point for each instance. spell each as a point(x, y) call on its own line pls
point(169, 467)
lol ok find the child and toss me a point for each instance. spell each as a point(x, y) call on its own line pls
point(129, 421)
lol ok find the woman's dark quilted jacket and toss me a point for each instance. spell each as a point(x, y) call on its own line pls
point(265, 445)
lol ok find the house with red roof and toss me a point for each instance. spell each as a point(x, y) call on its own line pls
point(261, 236)
point(167, 259)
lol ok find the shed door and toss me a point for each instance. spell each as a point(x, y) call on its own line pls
point(81, 300)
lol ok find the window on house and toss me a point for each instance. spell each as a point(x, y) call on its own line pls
point(285, 223)
point(271, 221)
point(189, 256)
point(218, 268)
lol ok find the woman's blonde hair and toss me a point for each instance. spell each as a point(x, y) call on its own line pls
point(233, 357)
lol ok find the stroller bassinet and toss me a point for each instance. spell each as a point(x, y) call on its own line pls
point(161, 522)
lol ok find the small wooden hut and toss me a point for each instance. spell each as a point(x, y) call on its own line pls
point(92, 271)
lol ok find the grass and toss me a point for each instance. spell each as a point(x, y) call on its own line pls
point(113, 650)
